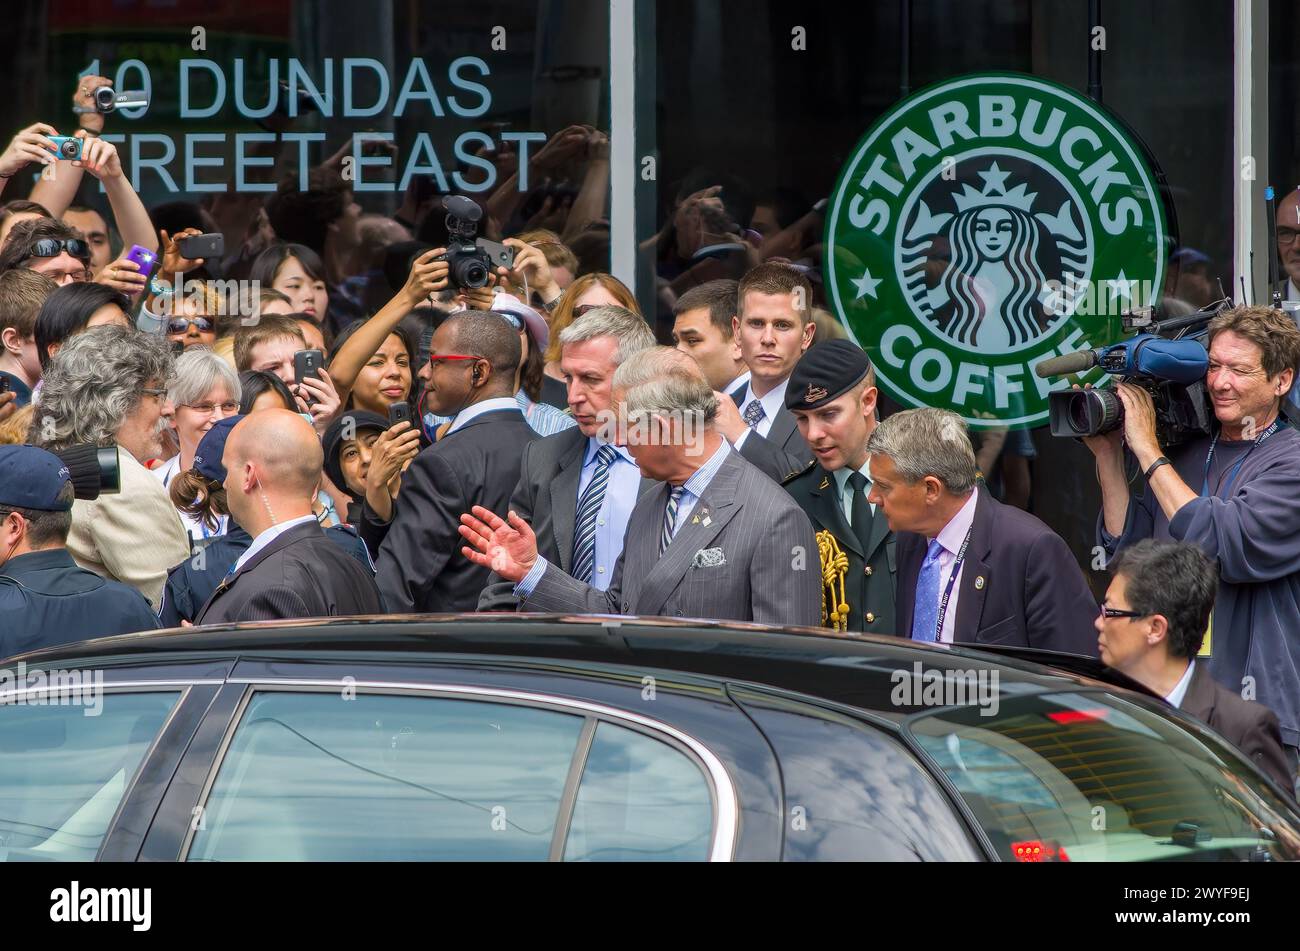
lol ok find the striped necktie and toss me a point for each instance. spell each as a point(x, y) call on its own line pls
point(584, 537)
point(670, 517)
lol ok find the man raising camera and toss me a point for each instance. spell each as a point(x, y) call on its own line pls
point(1236, 494)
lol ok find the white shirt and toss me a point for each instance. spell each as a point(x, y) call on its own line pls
point(1175, 698)
point(265, 538)
point(742, 380)
point(772, 404)
point(478, 409)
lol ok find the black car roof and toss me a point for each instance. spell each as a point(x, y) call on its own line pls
point(857, 669)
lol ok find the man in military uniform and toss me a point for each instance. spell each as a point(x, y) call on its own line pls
point(45, 597)
point(832, 394)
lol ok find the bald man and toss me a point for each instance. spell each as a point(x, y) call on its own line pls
point(292, 570)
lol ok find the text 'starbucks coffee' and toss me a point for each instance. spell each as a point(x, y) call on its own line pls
point(983, 225)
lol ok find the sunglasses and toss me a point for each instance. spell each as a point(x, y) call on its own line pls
point(53, 247)
point(583, 308)
point(179, 325)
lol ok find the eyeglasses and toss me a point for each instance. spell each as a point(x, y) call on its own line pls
point(53, 247)
point(1286, 237)
point(179, 325)
point(228, 408)
point(155, 393)
point(435, 360)
point(1117, 612)
point(583, 308)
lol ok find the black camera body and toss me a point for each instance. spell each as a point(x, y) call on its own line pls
point(1167, 358)
point(470, 259)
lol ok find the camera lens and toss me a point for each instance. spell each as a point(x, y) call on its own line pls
point(1093, 412)
point(69, 149)
point(104, 99)
point(470, 272)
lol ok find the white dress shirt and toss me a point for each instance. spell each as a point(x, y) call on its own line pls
point(1175, 698)
point(773, 402)
point(269, 535)
point(478, 409)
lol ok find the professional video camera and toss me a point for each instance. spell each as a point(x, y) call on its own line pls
point(1167, 358)
point(93, 470)
point(471, 258)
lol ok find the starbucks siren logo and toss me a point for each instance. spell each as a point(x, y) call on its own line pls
point(982, 226)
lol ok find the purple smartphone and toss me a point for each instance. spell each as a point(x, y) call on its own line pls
point(143, 257)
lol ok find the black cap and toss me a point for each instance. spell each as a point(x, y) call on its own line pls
point(826, 372)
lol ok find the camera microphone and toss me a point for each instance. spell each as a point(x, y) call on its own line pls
point(1076, 362)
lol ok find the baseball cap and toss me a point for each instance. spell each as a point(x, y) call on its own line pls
point(32, 478)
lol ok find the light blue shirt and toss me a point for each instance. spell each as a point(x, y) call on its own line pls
point(846, 491)
point(621, 493)
point(772, 403)
point(693, 489)
point(545, 419)
point(265, 538)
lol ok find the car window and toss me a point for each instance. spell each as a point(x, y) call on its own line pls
point(640, 800)
point(65, 768)
point(316, 777)
point(1085, 777)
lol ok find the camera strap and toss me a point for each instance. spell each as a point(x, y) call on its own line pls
point(1236, 468)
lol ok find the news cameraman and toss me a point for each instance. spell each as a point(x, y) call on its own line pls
point(1236, 494)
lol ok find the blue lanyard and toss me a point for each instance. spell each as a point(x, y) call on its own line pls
point(1232, 473)
point(952, 581)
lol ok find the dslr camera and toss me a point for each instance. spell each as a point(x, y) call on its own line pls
point(1167, 358)
point(470, 259)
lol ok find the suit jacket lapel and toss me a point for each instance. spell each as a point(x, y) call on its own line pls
point(564, 500)
point(783, 427)
point(975, 574)
point(830, 513)
point(717, 506)
point(1198, 701)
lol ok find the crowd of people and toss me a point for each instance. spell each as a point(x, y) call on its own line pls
point(372, 433)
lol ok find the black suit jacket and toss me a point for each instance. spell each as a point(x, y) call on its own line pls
point(782, 452)
point(421, 568)
point(1250, 727)
point(1020, 584)
point(302, 573)
point(546, 497)
point(873, 568)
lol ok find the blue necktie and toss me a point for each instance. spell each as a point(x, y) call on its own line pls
point(670, 517)
point(754, 414)
point(925, 612)
point(584, 537)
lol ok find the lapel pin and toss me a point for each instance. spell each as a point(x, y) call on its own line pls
point(979, 582)
point(696, 520)
point(707, 520)
point(825, 483)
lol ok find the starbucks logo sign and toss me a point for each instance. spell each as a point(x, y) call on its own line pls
point(982, 226)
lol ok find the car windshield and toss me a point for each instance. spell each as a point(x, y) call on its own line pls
point(1092, 777)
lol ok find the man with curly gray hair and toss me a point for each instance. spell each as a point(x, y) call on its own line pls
point(109, 385)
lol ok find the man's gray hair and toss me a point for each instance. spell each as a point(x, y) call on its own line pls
point(93, 384)
point(631, 332)
point(928, 442)
point(664, 381)
point(196, 372)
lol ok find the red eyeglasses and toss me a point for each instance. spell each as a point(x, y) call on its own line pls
point(434, 360)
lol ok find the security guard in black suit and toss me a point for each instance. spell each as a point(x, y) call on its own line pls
point(832, 395)
point(46, 599)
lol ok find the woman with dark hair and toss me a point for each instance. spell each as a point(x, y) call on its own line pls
point(50, 247)
point(386, 378)
point(296, 271)
point(200, 494)
point(74, 308)
point(262, 389)
point(366, 458)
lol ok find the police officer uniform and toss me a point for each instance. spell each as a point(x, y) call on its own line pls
point(858, 561)
point(46, 599)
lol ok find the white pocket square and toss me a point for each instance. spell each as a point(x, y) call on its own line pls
point(709, 558)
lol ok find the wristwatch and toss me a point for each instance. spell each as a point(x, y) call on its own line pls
point(1162, 461)
point(550, 306)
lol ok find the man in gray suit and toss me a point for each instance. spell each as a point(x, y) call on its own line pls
point(718, 539)
point(576, 491)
